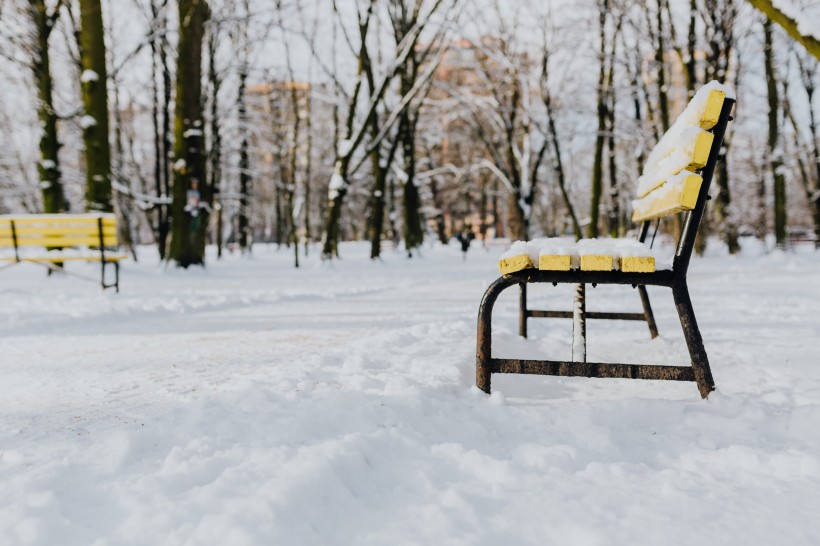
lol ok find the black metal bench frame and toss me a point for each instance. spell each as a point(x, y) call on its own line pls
point(675, 278)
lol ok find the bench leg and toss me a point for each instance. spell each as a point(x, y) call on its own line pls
point(523, 311)
point(694, 341)
point(116, 283)
point(579, 324)
point(484, 334)
point(647, 312)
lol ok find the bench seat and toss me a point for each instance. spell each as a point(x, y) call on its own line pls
point(558, 254)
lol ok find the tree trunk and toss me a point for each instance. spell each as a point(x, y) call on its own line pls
point(516, 221)
point(377, 202)
point(161, 125)
point(191, 196)
point(392, 215)
point(337, 188)
point(598, 161)
point(159, 169)
point(775, 152)
point(615, 220)
point(166, 215)
point(336, 195)
point(413, 229)
point(558, 167)
point(808, 73)
point(293, 156)
point(381, 170)
point(482, 211)
point(308, 166)
point(719, 21)
point(691, 49)
point(245, 230)
point(215, 155)
point(95, 104)
point(441, 227)
point(49, 165)
point(660, 59)
point(496, 210)
point(633, 71)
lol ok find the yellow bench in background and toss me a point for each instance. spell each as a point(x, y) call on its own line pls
point(51, 239)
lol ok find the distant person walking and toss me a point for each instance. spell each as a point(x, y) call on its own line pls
point(465, 237)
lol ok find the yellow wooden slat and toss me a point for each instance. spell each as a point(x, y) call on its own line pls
point(58, 230)
point(700, 153)
point(555, 262)
point(515, 263)
point(711, 112)
point(58, 241)
point(663, 202)
point(43, 220)
point(596, 262)
point(638, 264)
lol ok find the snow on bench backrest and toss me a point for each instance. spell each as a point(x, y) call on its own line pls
point(669, 183)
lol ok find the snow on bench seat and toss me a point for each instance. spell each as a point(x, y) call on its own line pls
point(557, 254)
point(516, 258)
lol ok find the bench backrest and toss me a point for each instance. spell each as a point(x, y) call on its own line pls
point(679, 170)
point(58, 230)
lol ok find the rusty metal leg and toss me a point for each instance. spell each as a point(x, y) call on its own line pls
point(484, 335)
point(579, 324)
point(523, 311)
point(647, 312)
point(697, 352)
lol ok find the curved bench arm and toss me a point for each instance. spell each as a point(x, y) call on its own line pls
point(484, 338)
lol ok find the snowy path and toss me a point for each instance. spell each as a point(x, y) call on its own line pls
point(253, 404)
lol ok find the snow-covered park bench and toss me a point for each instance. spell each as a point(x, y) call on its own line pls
point(51, 239)
point(676, 178)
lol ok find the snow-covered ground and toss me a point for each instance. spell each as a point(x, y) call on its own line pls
point(251, 403)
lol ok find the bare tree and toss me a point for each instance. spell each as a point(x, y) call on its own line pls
point(719, 17)
point(353, 136)
point(775, 149)
point(555, 140)
point(606, 116)
point(48, 167)
point(191, 203)
point(94, 122)
point(808, 69)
